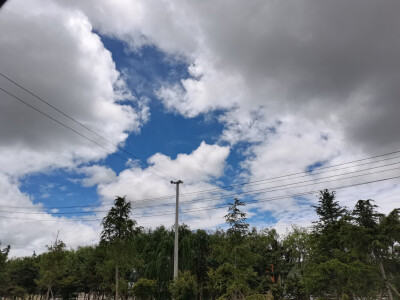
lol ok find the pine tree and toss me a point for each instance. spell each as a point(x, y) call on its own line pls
point(236, 218)
point(328, 210)
point(117, 225)
point(118, 231)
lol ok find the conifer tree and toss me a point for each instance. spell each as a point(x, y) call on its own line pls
point(118, 231)
point(236, 218)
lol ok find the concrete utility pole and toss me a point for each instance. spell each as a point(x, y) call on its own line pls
point(176, 249)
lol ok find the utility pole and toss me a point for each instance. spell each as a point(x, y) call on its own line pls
point(176, 249)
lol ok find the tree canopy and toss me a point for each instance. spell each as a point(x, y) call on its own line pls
point(346, 254)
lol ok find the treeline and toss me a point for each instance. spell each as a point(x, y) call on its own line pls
point(346, 254)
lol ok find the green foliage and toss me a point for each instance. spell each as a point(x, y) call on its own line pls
point(117, 242)
point(53, 268)
point(184, 287)
point(345, 255)
point(22, 274)
point(257, 297)
point(117, 224)
point(3, 275)
point(144, 289)
point(236, 218)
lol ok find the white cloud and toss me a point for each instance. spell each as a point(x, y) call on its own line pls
point(97, 175)
point(54, 53)
point(143, 188)
point(334, 62)
point(320, 85)
point(32, 232)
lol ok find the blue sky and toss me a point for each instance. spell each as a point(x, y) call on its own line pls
point(211, 94)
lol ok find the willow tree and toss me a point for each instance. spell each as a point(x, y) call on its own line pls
point(117, 234)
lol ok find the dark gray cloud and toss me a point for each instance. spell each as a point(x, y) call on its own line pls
point(337, 60)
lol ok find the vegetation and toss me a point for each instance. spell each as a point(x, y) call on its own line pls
point(346, 254)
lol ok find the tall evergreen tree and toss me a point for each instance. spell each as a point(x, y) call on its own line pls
point(328, 210)
point(236, 218)
point(377, 234)
point(117, 234)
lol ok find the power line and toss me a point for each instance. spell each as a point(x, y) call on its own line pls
point(265, 199)
point(281, 176)
point(259, 191)
point(306, 175)
point(288, 196)
point(233, 194)
point(81, 124)
point(75, 131)
point(251, 201)
point(263, 189)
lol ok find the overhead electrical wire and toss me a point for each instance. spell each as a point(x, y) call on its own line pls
point(241, 193)
point(224, 206)
point(219, 189)
point(304, 174)
point(251, 201)
point(166, 176)
point(266, 189)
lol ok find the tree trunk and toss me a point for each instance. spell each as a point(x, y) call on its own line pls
point(52, 295)
point(48, 293)
point(382, 269)
point(116, 282)
point(394, 290)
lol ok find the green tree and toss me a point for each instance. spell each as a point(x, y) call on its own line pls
point(3, 274)
point(144, 289)
point(236, 218)
point(22, 273)
point(184, 287)
point(118, 232)
point(232, 269)
point(53, 268)
point(296, 248)
point(334, 267)
point(376, 237)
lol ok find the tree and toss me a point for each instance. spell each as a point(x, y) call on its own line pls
point(22, 273)
point(236, 218)
point(53, 268)
point(3, 275)
point(118, 231)
point(335, 267)
point(328, 210)
point(184, 287)
point(144, 289)
point(233, 268)
point(376, 236)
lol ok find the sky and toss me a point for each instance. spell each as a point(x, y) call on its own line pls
point(267, 101)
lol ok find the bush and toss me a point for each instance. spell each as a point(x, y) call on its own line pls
point(144, 289)
point(184, 287)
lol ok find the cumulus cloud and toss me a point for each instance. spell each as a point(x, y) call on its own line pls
point(27, 232)
point(54, 53)
point(321, 60)
point(147, 192)
point(97, 175)
point(303, 82)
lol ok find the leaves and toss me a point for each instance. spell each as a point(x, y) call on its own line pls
point(341, 256)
